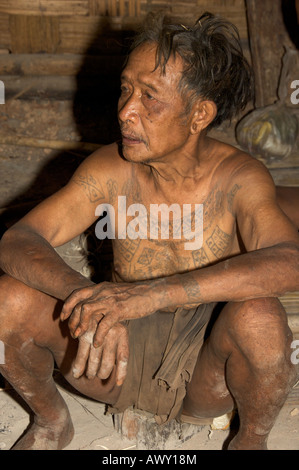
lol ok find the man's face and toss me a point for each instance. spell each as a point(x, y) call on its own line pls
point(151, 109)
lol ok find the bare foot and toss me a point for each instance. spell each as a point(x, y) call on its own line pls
point(46, 437)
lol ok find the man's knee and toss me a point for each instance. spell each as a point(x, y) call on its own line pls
point(258, 328)
point(20, 306)
point(11, 298)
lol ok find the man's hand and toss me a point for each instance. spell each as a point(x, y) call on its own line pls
point(101, 361)
point(99, 308)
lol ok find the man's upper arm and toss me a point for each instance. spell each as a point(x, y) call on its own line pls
point(71, 210)
point(260, 220)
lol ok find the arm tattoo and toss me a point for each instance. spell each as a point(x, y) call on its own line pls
point(91, 186)
point(191, 287)
point(231, 196)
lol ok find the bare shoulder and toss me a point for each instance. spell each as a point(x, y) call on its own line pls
point(244, 179)
point(239, 167)
point(254, 179)
point(249, 167)
point(99, 174)
point(253, 203)
point(106, 158)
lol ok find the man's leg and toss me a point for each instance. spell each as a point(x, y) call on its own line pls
point(246, 363)
point(34, 337)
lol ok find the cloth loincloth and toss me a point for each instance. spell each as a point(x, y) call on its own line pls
point(164, 348)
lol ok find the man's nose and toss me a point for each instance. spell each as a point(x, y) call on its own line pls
point(128, 109)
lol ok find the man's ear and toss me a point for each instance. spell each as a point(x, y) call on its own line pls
point(204, 113)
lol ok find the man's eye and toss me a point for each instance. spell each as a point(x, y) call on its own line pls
point(149, 96)
point(124, 89)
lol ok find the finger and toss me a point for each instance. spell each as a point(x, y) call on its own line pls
point(94, 361)
point(108, 321)
point(80, 362)
point(76, 297)
point(74, 320)
point(108, 356)
point(121, 372)
point(90, 315)
point(122, 358)
point(84, 316)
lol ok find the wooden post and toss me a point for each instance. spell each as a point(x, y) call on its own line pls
point(267, 37)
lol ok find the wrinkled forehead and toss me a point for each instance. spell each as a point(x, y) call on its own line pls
point(142, 63)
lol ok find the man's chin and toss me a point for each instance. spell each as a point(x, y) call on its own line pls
point(134, 155)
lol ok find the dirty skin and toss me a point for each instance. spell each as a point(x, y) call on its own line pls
point(169, 159)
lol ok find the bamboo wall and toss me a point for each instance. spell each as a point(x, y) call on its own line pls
point(69, 26)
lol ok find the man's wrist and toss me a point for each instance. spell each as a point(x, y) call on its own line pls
point(178, 290)
point(76, 284)
point(166, 290)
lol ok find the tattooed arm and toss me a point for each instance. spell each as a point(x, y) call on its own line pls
point(27, 249)
point(269, 268)
point(27, 253)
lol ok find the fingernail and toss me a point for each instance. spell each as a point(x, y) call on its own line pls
point(97, 343)
point(76, 373)
point(77, 332)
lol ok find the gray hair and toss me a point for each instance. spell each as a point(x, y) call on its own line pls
point(215, 67)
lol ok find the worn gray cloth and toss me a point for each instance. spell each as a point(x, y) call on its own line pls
point(164, 348)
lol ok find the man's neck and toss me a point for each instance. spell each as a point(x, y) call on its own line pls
point(185, 167)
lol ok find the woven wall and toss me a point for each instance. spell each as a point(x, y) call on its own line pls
point(69, 26)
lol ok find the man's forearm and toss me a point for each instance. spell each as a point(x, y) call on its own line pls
point(31, 259)
point(268, 272)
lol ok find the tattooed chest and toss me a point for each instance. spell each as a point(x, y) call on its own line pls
point(206, 234)
point(136, 259)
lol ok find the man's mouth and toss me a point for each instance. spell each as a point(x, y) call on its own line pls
point(130, 139)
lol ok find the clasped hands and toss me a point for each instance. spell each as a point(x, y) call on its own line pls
point(97, 316)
